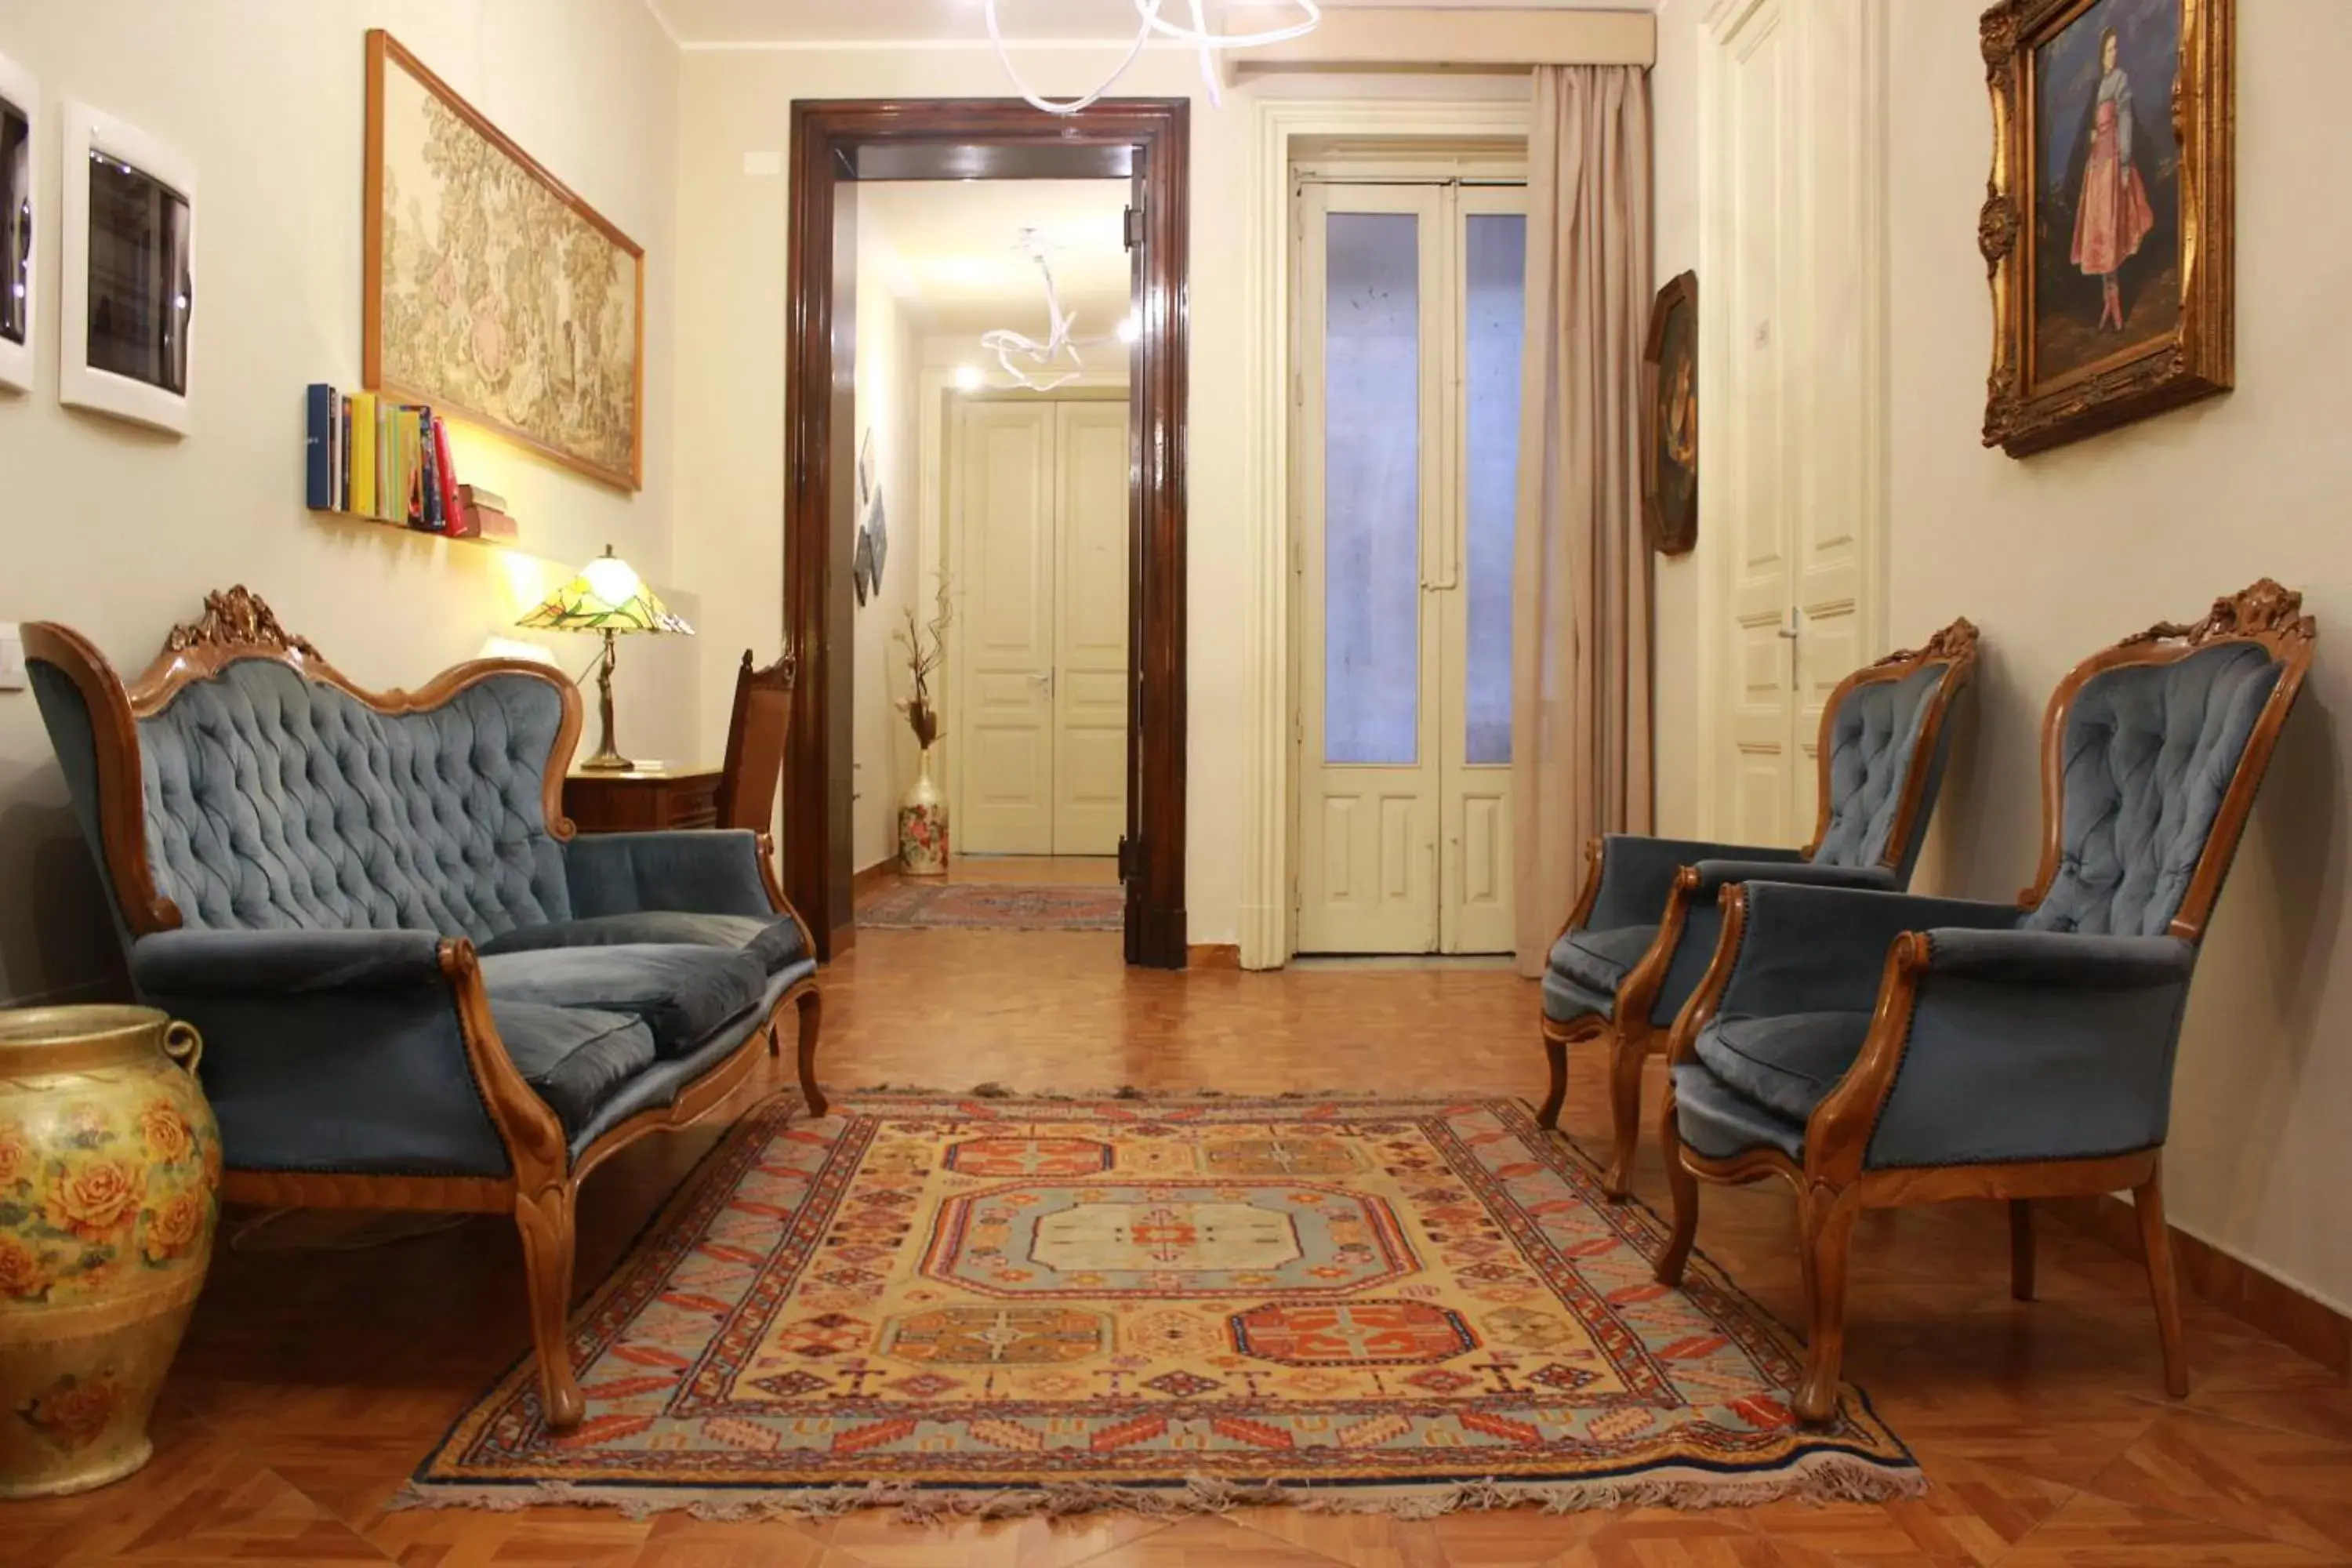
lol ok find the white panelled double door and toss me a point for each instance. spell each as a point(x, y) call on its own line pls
point(1412, 315)
point(1040, 530)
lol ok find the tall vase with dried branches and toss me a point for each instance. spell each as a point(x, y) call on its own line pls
point(922, 810)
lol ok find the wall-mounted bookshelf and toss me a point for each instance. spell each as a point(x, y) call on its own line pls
point(367, 458)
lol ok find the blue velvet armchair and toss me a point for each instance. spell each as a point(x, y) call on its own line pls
point(418, 990)
point(1645, 923)
point(1876, 1050)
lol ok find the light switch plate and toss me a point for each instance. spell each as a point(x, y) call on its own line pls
point(12, 657)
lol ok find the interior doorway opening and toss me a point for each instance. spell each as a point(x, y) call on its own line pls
point(838, 147)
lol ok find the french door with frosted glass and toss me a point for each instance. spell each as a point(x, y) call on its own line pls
point(1411, 312)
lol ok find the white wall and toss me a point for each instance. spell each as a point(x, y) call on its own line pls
point(2060, 555)
point(889, 371)
point(120, 532)
point(731, 336)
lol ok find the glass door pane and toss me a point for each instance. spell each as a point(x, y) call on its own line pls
point(1371, 512)
point(1495, 326)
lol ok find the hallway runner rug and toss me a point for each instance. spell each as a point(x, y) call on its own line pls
point(950, 1304)
point(910, 905)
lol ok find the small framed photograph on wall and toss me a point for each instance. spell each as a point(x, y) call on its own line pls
point(20, 163)
point(128, 287)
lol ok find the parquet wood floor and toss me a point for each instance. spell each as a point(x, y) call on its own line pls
point(312, 1382)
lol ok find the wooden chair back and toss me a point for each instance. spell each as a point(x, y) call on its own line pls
point(756, 732)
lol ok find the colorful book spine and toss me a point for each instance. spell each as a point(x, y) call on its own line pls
point(447, 471)
point(366, 500)
point(318, 448)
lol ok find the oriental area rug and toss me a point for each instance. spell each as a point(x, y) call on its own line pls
point(980, 906)
point(956, 1304)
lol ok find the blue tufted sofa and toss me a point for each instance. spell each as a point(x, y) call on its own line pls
point(1874, 1049)
point(417, 988)
point(1644, 925)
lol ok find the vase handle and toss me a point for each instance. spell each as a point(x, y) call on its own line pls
point(184, 1045)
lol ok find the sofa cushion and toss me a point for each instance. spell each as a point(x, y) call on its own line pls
point(1600, 960)
point(1786, 1063)
point(776, 943)
point(1718, 1122)
point(576, 1057)
point(681, 993)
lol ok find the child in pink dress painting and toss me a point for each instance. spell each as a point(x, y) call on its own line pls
point(2112, 216)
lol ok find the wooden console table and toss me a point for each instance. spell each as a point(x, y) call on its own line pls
point(642, 799)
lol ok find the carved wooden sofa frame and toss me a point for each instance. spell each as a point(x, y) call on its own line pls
point(546, 1176)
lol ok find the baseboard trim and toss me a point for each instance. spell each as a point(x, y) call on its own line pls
point(1213, 955)
point(882, 870)
point(2308, 1326)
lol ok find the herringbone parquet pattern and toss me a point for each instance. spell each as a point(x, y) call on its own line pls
point(312, 1382)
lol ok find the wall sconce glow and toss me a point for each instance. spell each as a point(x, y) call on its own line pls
point(967, 378)
point(1150, 23)
point(1129, 328)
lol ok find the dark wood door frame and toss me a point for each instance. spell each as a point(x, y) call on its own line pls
point(835, 143)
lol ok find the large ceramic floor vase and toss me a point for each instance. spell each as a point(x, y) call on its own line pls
point(109, 1183)
point(923, 824)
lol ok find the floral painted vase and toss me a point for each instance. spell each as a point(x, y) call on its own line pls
point(109, 1186)
point(923, 826)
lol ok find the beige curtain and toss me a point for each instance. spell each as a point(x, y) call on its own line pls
point(1580, 604)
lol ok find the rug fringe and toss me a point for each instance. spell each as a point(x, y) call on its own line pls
point(1816, 1479)
point(992, 1090)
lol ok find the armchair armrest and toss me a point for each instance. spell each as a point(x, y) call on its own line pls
point(1714, 876)
point(701, 872)
point(1692, 924)
point(1636, 874)
point(339, 1051)
point(1819, 950)
point(2029, 1044)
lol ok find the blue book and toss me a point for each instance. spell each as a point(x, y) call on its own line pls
point(318, 454)
point(434, 521)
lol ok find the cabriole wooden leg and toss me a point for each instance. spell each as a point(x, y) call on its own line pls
point(812, 1013)
point(544, 1220)
point(1555, 1056)
point(1829, 1216)
point(1684, 1187)
point(2155, 1240)
point(2020, 1248)
point(1628, 1049)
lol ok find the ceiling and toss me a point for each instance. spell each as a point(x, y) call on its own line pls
point(713, 22)
point(949, 248)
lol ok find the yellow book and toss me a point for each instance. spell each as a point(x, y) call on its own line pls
point(364, 494)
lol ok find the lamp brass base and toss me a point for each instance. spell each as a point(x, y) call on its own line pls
point(606, 762)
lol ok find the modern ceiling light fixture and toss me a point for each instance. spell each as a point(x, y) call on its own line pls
point(1056, 362)
point(1149, 23)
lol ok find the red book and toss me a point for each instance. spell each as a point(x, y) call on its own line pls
point(446, 472)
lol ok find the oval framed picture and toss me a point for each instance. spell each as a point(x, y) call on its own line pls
point(1670, 415)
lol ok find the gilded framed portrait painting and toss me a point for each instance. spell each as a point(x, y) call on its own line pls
point(2107, 229)
point(1670, 415)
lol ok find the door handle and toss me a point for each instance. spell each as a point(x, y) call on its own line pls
point(1044, 680)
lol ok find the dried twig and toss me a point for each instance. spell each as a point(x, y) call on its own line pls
point(927, 649)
